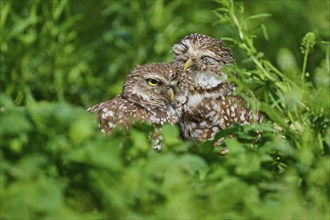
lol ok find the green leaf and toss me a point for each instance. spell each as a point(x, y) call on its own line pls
point(170, 134)
point(274, 115)
point(262, 15)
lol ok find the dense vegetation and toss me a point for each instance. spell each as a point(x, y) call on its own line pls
point(60, 57)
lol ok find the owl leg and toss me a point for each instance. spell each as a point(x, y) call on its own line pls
point(224, 150)
point(156, 138)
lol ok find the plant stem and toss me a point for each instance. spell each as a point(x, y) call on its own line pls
point(303, 71)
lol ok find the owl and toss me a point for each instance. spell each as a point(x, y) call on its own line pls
point(211, 104)
point(148, 95)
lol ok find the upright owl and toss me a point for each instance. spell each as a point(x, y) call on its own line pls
point(147, 96)
point(211, 104)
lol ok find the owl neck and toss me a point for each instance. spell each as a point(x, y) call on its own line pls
point(202, 82)
point(207, 80)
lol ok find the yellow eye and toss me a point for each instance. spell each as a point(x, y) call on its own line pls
point(152, 82)
point(179, 83)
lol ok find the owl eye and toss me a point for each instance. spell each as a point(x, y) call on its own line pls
point(152, 82)
point(180, 49)
point(209, 58)
point(184, 48)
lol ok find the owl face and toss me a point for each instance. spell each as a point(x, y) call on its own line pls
point(202, 53)
point(152, 85)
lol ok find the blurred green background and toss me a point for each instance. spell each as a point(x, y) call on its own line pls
point(81, 52)
point(60, 57)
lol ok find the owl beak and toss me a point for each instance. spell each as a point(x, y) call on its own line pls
point(170, 94)
point(188, 64)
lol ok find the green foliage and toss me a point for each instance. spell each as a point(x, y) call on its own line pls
point(58, 57)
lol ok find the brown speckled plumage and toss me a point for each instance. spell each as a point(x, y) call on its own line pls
point(211, 104)
point(139, 100)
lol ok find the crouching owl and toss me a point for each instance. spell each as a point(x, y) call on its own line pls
point(147, 96)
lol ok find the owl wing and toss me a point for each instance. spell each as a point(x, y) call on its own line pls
point(117, 111)
point(214, 114)
point(120, 111)
point(226, 110)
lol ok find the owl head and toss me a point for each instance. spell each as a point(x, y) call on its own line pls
point(200, 52)
point(151, 86)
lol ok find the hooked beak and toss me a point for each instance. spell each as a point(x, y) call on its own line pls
point(188, 64)
point(170, 94)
